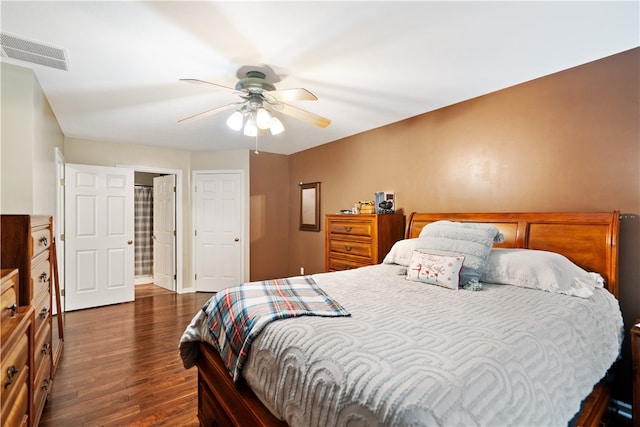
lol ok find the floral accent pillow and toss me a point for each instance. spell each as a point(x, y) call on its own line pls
point(441, 270)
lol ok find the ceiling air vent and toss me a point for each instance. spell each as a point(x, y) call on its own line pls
point(17, 47)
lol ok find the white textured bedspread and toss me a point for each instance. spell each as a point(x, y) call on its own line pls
point(413, 354)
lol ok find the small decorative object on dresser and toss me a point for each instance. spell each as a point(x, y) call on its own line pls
point(635, 356)
point(357, 240)
point(366, 207)
point(385, 202)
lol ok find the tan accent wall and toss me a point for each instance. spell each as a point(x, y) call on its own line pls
point(270, 215)
point(565, 142)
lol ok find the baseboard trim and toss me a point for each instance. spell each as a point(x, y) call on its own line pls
point(142, 280)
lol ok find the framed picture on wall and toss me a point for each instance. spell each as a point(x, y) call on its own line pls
point(310, 206)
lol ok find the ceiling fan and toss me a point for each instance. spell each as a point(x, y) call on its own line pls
point(259, 101)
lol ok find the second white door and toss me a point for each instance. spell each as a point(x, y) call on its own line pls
point(218, 260)
point(164, 231)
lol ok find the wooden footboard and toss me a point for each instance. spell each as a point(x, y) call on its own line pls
point(595, 409)
point(221, 402)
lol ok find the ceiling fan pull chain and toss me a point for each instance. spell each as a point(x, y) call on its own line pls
point(256, 150)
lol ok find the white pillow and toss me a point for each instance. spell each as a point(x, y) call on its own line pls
point(435, 269)
point(547, 271)
point(401, 252)
point(472, 240)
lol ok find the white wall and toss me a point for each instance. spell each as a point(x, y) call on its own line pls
point(30, 134)
point(47, 135)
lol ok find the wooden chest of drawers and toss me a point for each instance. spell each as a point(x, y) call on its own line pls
point(354, 241)
point(16, 353)
point(26, 245)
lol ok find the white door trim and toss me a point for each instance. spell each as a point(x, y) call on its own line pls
point(58, 227)
point(243, 240)
point(179, 221)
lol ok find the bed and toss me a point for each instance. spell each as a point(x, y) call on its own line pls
point(415, 354)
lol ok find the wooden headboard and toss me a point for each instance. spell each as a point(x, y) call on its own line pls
point(590, 240)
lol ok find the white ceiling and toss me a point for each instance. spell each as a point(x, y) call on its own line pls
point(370, 63)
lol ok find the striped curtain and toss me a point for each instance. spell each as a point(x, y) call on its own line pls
point(144, 231)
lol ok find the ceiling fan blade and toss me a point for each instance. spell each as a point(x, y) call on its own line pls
point(296, 94)
point(198, 81)
point(209, 112)
point(300, 114)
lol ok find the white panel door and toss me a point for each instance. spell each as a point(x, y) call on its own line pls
point(218, 227)
point(164, 231)
point(99, 232)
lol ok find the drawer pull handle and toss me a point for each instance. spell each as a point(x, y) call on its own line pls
point(13, 307)
point(11, 372)
point(348, 248)
point(43, 240)
point(348, 229)
point(45, 384)
point(45, 348)
point(44, 312)
point(43, 277)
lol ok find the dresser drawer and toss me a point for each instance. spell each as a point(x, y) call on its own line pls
point(351, 247)
point(41, 388)
point(42, 311)
point(15, 404)
point(40, 275)
point(15, 361)
point(350, 227)
point(40, 239)
point(337, 264)
point(9, 304)
point(8, 295)
point(42, 346)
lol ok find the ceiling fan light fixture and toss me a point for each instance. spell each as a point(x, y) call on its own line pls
point(276, 126)
point(263, 118)
point(235, 120)
point(254, 115)
point(250, 128)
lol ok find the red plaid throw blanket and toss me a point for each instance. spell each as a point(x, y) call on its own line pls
point(236, 315)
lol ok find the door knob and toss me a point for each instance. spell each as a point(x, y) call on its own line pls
point(129, 242)
point(237, 239)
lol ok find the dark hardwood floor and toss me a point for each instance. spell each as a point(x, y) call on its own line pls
point(120, 364)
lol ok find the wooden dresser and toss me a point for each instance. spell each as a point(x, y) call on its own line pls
point(26, 245)
point(354, 241)
point(16, 356)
